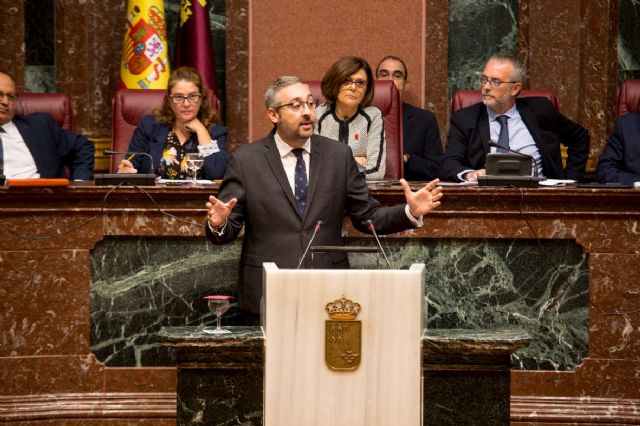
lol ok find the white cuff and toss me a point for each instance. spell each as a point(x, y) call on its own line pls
point(209, 149)
point(218, 232)
point(462, 173)
point(417, 221)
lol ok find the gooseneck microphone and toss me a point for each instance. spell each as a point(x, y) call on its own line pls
point(372, 228)
point(313, 236)
point(533, 161)
point(131, 154)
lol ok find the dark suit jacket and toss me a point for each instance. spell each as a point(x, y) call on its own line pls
point(273, 229)
point(620, 159)
point(421, 140)
point(469, 137)
point(151, 137)
point(53, 148)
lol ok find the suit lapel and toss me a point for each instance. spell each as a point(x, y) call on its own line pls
point(316, 166)
point(275, 163)
point(483, 128)
point(529, 119)
point(159, 142)
point(31, 140)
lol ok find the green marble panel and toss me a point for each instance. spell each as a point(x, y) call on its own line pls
point(477, 29)
point(142, 284)
point(629, 40)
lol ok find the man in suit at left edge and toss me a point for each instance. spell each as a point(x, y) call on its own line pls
point(263, 180)
point(34, 146)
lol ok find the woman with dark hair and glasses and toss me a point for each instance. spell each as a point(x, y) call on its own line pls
point(349, 117)
point(184, 123)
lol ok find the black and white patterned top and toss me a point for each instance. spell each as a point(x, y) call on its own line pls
point(364, 133)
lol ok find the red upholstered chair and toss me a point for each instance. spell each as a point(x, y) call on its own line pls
point(129, 105)
point(56, 104)
point(465, 98)
point(628, 97)
point(387, 100)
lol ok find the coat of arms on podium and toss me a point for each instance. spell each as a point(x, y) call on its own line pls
point(343, 335)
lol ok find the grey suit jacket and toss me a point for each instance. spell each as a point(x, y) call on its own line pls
point(274, 231)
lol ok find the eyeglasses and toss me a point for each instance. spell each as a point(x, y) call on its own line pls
point(347, 82)
point(296, 106)
point(493, 82)
point(179, 99)
point(396, 75)
point(11, 97)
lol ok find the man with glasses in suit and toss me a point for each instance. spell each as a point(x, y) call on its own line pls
point(34, 146)
point(530, 126)
point(282, 187)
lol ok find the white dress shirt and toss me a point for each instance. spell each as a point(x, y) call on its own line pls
point(18, 161)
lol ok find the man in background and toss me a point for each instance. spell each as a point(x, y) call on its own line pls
point(529, 126)
point(420, 134)
point(620, 159)
point(34, 146)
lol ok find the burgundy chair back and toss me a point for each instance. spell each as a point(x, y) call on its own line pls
point(387, 100)
point(465, 98)
point(129, 105)
point(58, 105)
point(628, 97)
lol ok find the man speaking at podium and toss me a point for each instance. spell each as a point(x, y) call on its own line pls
point(530, 126)
point(291, 183)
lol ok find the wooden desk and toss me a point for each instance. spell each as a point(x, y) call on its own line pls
point(47, 368)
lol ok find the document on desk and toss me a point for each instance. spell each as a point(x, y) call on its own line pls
point(557, 182)
point(179, 182)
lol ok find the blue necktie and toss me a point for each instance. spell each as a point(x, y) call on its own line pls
point(300, 181)
point(503, 138)
point(1, 152)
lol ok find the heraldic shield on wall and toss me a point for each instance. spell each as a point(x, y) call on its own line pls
point(343, 335)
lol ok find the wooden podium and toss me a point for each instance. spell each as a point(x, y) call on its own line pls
point(373, 379)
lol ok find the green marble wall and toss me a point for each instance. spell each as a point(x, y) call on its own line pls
point(142, 284)
point(629, 40)
point(477, 29)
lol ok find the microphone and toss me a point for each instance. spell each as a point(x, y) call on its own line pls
point(313, 236)
point(131, 155)
point(533, 161)
point(372, 228)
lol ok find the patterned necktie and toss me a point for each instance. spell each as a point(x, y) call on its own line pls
point(300, 181)
point(503, 138)
point(1, 152)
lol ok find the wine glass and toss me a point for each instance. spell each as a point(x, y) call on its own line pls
point(218, 305)
point(195, 161)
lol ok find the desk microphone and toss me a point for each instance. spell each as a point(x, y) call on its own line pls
point(369, 224)
point(306, 250)
point(131, 154)
point(533, 161)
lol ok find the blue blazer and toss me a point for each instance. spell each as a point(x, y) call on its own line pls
point(620, 159)
point(151, 137)
point(421, 140)
point(53, 148)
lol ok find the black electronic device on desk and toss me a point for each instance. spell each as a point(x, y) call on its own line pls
point(137, 179)
point(509, 169)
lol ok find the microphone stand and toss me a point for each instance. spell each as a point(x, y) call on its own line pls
point(127, 178)
point(304, 254)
